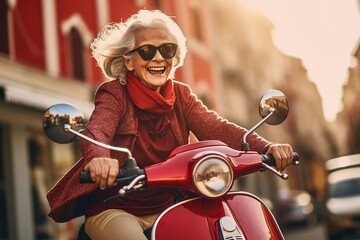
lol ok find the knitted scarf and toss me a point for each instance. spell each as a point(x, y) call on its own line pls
point(150, 100)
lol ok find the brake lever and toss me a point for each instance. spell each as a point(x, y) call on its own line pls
point(284, 176)
point(124, 189)
point(133, 185)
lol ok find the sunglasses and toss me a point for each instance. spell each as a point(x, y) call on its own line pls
point(147, 52)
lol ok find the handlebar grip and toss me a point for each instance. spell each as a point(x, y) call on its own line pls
point(296, 159)
point(270, 160)
point(85, 177)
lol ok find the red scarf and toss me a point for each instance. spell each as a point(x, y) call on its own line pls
point(150, 100)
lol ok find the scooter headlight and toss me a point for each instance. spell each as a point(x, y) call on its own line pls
point(213, 176)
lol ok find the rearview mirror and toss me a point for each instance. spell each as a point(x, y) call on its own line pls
point(59, 115)
point(274, 102)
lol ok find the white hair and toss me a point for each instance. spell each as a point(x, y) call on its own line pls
point(117, 39)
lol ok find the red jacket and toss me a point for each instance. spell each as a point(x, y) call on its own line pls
point(114, 122)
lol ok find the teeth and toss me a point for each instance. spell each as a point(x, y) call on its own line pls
point(156, 68)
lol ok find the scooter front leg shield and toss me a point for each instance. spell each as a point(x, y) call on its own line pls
point(200, 218)
point(185, 220)
point(254, 218)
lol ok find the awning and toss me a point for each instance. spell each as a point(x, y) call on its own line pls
point(40, 99)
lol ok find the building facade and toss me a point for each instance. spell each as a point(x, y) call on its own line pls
point(45, 59)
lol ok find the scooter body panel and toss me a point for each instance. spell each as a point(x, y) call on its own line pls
point(254, 218)
point(186, 220)
point(177, 171)
point(199, 218)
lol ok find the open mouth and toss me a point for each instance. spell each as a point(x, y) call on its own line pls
point(156, 70)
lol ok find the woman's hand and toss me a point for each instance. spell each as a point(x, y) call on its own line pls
point(283, 154)
point(103, 171)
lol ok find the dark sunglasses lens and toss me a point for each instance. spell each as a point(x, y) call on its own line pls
point(147, 52)
point(168, 50)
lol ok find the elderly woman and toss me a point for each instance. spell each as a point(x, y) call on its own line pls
point(143, 109)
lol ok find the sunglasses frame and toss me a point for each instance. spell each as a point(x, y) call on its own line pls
point(159, 48)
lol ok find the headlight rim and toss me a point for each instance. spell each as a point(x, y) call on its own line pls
point(219, 158)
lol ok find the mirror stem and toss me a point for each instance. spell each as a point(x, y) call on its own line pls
point(67, 128)
point(271, 110)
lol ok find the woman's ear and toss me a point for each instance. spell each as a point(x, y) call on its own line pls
point(128, 64)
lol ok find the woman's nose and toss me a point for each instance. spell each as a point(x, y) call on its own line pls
point(158, 56)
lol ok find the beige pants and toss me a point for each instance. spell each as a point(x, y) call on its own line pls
point(119, 225)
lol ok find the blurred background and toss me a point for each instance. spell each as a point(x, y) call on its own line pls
point(238, 49)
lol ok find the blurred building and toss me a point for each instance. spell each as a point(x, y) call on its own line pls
point(347, 124)
point(45, 59)
point(251, 64)
point(348, 120)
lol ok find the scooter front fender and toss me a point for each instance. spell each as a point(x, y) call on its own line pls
point(199, 218)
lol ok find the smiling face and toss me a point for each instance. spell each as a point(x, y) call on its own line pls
point(152, 73)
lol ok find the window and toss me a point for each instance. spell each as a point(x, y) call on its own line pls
point(77, 55)
point(346, 188)
point(4, 39)
point(4, 223)
point(197, 23)
point(157, 4)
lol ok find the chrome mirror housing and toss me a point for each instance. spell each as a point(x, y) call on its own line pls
point(274, 103)
point(57, 117)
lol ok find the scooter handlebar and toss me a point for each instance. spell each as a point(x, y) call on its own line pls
point(123, 175)
point(270, 160)
point(85, 177)
point(129, 171)
point(126, 174)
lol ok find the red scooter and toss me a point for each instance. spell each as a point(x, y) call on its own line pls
point(207, 169)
